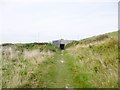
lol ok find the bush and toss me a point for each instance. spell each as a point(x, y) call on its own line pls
point(7, 44)
point(72, 44)
point(101, 37)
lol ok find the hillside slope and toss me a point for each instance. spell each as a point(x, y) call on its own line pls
point(88, 63)
point(98, 55)
point(20, 61)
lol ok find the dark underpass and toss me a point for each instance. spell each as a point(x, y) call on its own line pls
point(62, 46)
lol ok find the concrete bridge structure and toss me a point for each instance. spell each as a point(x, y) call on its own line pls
point(61, 43)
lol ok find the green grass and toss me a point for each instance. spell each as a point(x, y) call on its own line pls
point(19, 64)
point(100, 59)
point(113, 35)
point(54, 74)
point(89, 63)
point(0, 68)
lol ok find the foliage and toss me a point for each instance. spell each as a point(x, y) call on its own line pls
point(88, 63)
point(100, 59)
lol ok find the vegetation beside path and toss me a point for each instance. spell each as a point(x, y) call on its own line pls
point(89, 63)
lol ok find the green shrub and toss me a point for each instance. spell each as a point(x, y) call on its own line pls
point(7, 44)
point(101, 37)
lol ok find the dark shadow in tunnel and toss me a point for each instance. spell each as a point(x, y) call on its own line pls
point(62, 46)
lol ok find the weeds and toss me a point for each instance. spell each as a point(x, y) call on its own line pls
point(18, 65)
point(89, 63)
point(99, 59)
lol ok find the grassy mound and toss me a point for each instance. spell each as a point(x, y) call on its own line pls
point(88, 63)
point(98, 56)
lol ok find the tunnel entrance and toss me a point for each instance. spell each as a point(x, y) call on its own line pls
point(62, 46)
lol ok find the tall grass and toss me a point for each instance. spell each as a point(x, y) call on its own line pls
point(99, 59)
point(1, 67)
point(19, 64)
point(89, 63)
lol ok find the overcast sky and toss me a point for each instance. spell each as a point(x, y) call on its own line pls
point(45, 20)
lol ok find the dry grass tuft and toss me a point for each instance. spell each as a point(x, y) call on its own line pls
point(18, 65)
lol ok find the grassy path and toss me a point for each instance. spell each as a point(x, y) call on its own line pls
point(59, 72)
point(89, 63)
point(63, 74)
